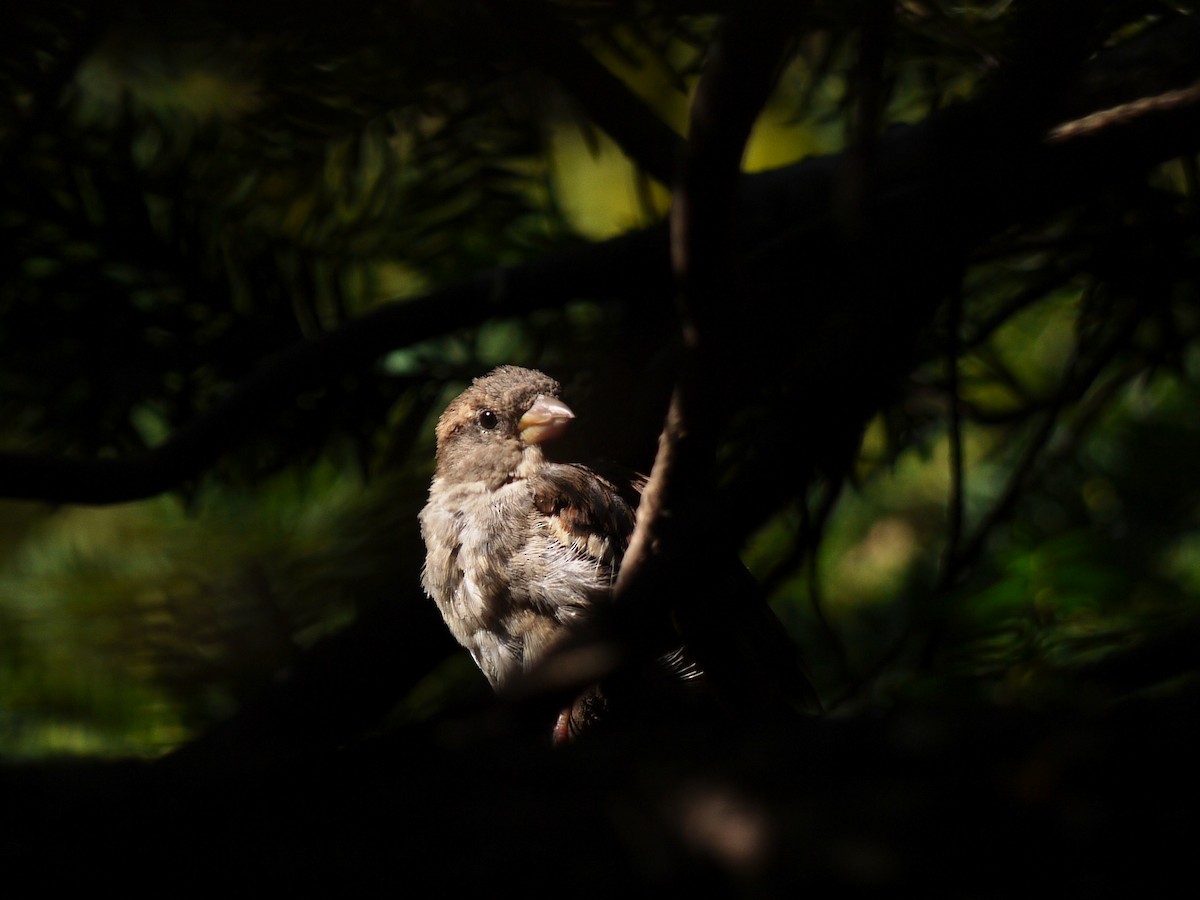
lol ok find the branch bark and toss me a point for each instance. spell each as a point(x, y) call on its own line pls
point(674, 564)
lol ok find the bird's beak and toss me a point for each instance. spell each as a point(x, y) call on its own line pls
point(546, 419)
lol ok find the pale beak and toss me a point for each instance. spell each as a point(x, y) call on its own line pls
point(546, 419)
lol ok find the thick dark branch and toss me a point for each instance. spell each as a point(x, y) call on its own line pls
point(631, 266)
point(757, 672)
point(736, 82)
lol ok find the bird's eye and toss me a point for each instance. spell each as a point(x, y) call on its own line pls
point(488, 419)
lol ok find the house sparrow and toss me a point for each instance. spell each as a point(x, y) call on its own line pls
point(519, 550)
point(522, 553)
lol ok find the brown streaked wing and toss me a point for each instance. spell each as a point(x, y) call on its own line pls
point(586, 509)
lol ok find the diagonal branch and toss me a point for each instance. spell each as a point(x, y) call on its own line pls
point(632, 266)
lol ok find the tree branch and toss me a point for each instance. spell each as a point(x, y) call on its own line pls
point(631, 266)
point(674, 524)
point(736, 82)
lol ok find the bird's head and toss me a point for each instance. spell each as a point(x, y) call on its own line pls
point(493, 430)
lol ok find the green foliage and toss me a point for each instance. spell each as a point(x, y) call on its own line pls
point(185, 193)
point(196, 204)
point(130, 628)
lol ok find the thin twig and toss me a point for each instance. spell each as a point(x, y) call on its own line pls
point(1023, 474)
point(806, 549)
point(1125, 114)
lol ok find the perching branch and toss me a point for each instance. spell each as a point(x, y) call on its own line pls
point(736, 81)
point(756, 672)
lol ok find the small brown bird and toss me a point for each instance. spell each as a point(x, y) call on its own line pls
point(522, 553)
point(518, 549)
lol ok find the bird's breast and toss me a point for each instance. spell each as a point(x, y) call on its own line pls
point(503, 578)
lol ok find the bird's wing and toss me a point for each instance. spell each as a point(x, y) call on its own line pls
point(584, 511)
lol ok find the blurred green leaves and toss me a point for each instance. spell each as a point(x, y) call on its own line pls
point(127, 629)
point(184, 193)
